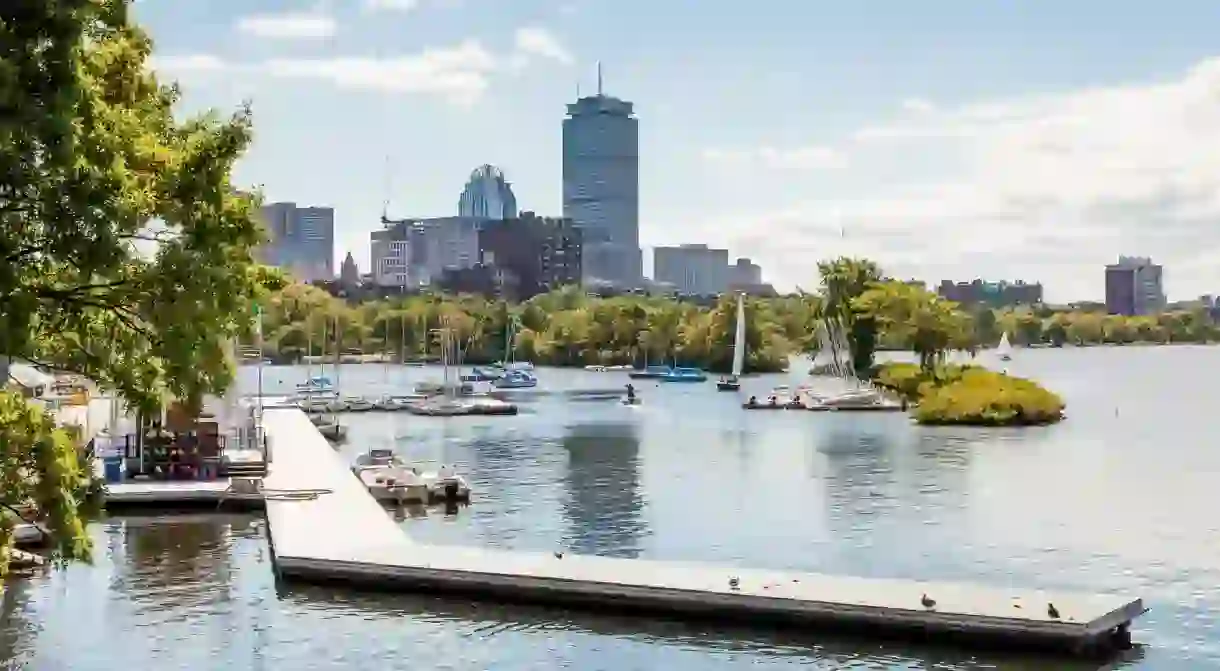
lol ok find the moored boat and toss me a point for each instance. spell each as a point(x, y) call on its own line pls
point(684, 375)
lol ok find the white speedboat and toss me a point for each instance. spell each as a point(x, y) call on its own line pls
point(389, 479)
point(595, 369)
point(447, 485)
point(357, 404)
point(316, 384)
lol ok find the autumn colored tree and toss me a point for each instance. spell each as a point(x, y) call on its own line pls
point(127, 251)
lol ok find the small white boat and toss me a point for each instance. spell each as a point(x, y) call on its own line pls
point(357, 404)
point(595, 369)
point(389, 479)
point(395, 402)
point(1004, 349)
point(319, 383)
point(861, 400)
point(329, 427)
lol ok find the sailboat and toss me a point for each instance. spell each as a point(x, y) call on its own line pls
point(513, 377)
point(733, 382)
point(1004, 349)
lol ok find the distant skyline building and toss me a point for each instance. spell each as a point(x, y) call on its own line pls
point(994, 294)
point(414, 253)
point(601, 185)
point(531, 254)
point(745, 273)
point(696, 270)
point(487, 195)
point(301, 240)
point(1134, 286)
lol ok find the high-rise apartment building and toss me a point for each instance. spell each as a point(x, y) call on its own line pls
point(487, 195)
point(696, 270)
point(531, 255)
point(601, 185)
point(301, 240)
point(1134, 286)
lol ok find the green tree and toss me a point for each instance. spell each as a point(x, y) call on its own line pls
point(126, 250)
point(843, 280)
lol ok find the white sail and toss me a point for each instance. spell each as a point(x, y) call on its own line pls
point(1005, 347)
point(739, 340)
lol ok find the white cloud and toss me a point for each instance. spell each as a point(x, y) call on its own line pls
point(1045, 187)
point(534, 41)
point(797, 158)
point(460, 73)
point(918, 106)
point(390, 5)
point(288, 26)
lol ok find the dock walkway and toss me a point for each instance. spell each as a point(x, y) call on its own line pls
point(344, 535)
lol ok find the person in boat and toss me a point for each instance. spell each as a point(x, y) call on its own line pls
point(630, 393)
point(773, 400)
point(753, 402)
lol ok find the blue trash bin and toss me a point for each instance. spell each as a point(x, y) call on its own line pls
point(112, 467)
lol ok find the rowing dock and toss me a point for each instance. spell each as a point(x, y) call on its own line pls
point(324, 527)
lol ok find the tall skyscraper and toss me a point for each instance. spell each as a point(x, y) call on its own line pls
point(1134, 286)
point(601, 185)
point(301, 240)
point(487, 195)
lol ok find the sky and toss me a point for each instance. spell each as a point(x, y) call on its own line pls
point(1033, 139)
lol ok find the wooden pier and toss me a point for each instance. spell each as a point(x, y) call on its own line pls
point(325, 527)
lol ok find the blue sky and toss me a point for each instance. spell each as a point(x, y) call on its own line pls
point(944, 138)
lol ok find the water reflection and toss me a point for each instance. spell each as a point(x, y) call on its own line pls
point(18, 631)
point(173, 563)
point(700, 645)
point(603, 506)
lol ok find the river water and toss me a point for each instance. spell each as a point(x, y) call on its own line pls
point(1121, 498)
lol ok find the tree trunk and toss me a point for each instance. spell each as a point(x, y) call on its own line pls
point(5, 361)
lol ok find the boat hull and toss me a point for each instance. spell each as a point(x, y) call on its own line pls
point(725, 385)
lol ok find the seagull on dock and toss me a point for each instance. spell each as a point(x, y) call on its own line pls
point(927, 602)
point(1052, 611)
point(734, 582)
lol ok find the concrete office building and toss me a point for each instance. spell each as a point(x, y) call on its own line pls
point(601, 186)
point(745, 273)
point(692, 269)
point(414, 253)
point(1134, 286)
point(301, 240)
point(487, 195)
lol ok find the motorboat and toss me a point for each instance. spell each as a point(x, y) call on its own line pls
point(432, 388)
point(393, 402)
point(324, 401)
point(315, 384)
point(357, 404)
point(484, 374)
point(730, 383)
point(651, 373)
point(684, 375)
point(329, 427)
point(595, 369)
point(514, 365)
point(621, 367)
point(447, 485)
point(516, 379)
point(388, 478)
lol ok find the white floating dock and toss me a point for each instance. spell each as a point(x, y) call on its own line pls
point(179, 494)
point(344, 535)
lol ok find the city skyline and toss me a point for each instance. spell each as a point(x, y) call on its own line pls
point(937, 140)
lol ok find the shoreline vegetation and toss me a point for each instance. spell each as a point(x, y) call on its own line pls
point(568, 327)
point(968, 395)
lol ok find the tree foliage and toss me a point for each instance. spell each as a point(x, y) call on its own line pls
point(563, 328)
point(126, 252)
